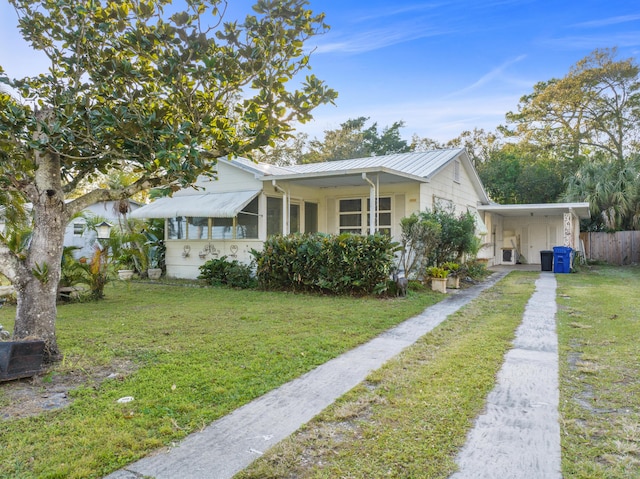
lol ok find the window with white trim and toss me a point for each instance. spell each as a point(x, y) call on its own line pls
point(383, 213)
point(351, 216)
point(355, 218)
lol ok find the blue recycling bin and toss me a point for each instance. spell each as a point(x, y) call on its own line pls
point(562, 256)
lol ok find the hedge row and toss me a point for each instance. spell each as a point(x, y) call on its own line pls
point(343, 264)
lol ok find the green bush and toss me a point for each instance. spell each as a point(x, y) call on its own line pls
point(230, 273)
point(343, 264)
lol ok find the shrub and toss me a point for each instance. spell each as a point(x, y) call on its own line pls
point(230, 273)
point(342, 264)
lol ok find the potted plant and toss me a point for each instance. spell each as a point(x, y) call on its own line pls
point(125, 265)
point(155, 255)
point(154, 271)
point(453, 278)
point(438, 278)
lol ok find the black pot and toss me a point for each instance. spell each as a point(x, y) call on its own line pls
point(20, 359)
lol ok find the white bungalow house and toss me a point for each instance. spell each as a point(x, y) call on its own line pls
point(76, 234)
point(250, 201)
point(79, 236)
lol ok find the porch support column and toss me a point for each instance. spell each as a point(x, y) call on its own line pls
point(568, 230)
point(285, 208)
point(373, 224)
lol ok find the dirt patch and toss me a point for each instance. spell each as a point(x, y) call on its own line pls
point(50, 389)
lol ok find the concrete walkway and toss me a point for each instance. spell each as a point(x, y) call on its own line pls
point(518, 437)
point(231, 443)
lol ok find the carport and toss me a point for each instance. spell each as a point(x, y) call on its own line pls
point(518, 233)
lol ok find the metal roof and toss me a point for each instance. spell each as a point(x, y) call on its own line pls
point(217, 205)
point(385, 169)
point(419, 164)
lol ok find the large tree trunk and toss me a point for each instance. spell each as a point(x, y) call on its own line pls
point(37, 283)
point(37, 279)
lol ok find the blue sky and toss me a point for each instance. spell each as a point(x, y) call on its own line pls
point(440, 66)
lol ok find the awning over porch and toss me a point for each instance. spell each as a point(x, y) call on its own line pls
point(215, 205)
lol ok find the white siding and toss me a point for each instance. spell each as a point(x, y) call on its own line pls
point(183, 257)
point(230, 178)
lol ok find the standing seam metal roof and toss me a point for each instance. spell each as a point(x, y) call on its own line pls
point(422, 164)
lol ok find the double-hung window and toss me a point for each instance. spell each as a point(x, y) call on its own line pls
point(355, 215)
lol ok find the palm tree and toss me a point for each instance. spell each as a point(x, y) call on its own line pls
point(612, 189)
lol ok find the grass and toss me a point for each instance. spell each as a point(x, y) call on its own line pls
point(188, 356)
point(195, 354)
point(410, 418)
point(599, 331)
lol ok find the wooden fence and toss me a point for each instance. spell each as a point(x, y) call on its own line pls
point(621, 247)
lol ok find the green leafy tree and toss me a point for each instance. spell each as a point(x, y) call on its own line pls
point(420, 236)
point(457, 234)
point(132, 86)
point(353, 140)
point(520, 173)
point(595, 107)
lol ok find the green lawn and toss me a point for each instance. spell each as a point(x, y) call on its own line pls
point(599, 333)
point(190, 356)
point(195, 354)
point(410, 417)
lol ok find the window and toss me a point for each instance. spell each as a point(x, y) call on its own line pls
point(245, 225)
point(384, 215)
point(456, 171)
point(222, 228)
point(78, 229)
point(353, 218)
point(247, 221)
point(175, 228)
point(197, 227)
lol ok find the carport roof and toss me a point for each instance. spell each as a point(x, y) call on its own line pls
point(543, 209)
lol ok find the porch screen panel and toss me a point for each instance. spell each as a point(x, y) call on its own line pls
point(176, 228)
point(310, 217)
point(198, 228)
point(274, 216)
point(294, 218)
point(247, 222)
point(222, 228)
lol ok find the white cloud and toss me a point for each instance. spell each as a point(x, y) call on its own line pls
point(377, 38)
point(589, 42)
point(603, 22)
point(495, 74)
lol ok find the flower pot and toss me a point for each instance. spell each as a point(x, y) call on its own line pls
point(154, 273)
point(125, 274)
point(453, 282)
point(20, 359)
point(439, 284)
